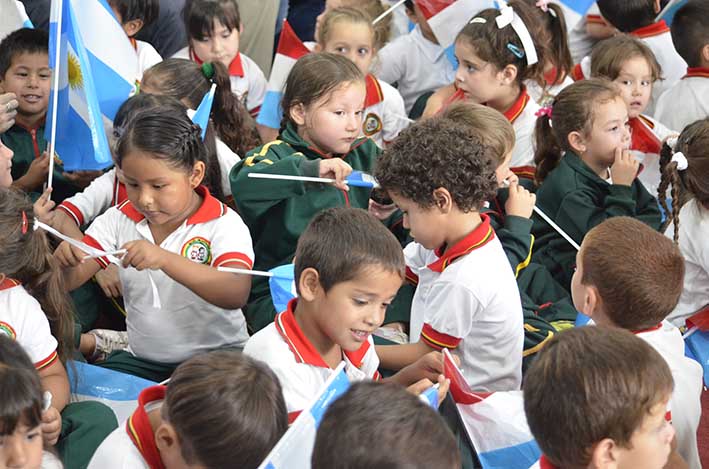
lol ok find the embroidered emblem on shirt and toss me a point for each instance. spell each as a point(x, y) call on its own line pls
point(7, 329)
point(198, 250)
point(372, 124)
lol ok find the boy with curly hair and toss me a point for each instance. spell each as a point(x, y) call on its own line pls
point(467, 298)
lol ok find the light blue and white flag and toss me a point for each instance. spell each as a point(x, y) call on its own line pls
point(282, 286)
point(13, 17)
point(574, 10)
point(201, 115)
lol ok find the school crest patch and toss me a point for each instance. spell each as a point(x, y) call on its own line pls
point(7, 329)
point(372, 124)
point(198, 250)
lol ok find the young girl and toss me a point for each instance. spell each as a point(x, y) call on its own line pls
point(631, 64)
point(218, 408)
point(349, 32)
point(175, 235)
point(322, 102)
point(585, 171)
point(373, 8)
point(493, 67)
point(213, 29)
point(686, 168)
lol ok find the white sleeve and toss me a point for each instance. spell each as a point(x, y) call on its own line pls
point(84, 206)
point(32, 328)
point(103, 232)
point(257, 86)
point(231, 242)
point(395, 117)
point(227, 160)
point(391, 66)
point(448, 314)
point(147, 56)
point(415, 256)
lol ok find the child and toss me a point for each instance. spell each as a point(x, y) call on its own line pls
point(686, 168)
point(633, 281)
point(458, 304)
point(35, 312)
point(189, 82)
point(612, 411)
point(21, 410)
point(637, 18)
point(134, 15)
point(175, 234)
point(585, 171)
point(373, 8)
point(690, 36)
point(213, 28)
point(322, 102)
point(218, 408)
point(415, 62)
point(349, 32)
point(493, 74)
point(379, 425)
point(341, 301)
point(629, 63)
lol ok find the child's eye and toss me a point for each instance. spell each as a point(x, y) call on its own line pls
point(158, 186)
point(363, 51)
point(359, 302)
point(32, 435)
point(360, 112)
point(646, 83)
point(471, 68)
point(339, 113)
point(341, 50)
point(45, 76)
point(131, 184)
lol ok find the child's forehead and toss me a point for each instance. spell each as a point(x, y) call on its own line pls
point(30, 59)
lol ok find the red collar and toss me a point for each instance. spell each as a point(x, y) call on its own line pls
point(210, 209)
point(643, 138)
point(139, 430)
point(477, 238)
point(697, 72)
point(374, 91)
point(302, 349)
point(518, 106)
point(236, 69)
point(550, 77)
point(459, 95)
point(649, 329)
point(133, 43)
point(8, 283)
point(654, 29)
point(545, 464)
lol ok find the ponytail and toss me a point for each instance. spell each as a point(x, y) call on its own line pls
point(560, 53)
point(548, 151)
point(670, 175)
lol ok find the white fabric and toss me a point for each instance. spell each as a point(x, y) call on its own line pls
point(49, 461)
point(694, 244)
point(388, 115)
point(544, 96)
point(227, 159)
point(650, 175)
point(685, 401)
point(21, 313)
point(416, 64)
point(92, 201)
point(580, 43)
point(117, 451)
point(684, 102)
point(523, 152)
point(475, 299)
point(185, 324)
point(147, 56)
point(673, 66)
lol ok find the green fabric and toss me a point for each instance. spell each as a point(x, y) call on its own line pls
point(277, 212)
point(84, 426)
point(126, 362)
point(577, 200)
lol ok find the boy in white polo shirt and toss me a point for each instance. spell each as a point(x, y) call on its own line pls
point(620, 282)
point(467, 297)
point(348, 269)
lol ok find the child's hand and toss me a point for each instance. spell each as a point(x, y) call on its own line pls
point(429, 366)
point(109, 281)
point(520, 202)
point(43, 207)
point(51, 426)
point(336, 169)
point(379, 211)
point(420, 386)
point(509, 179)
point(625, 168)
point(38, 170)
point(8, 111)
point(143, 255)
point(68, 255)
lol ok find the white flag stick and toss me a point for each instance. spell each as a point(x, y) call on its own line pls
point(557, 228)
point(55, 92)
point(233, 270)
point(284, 177)
point(389, 10)
point(690, 331)
point(117, 252)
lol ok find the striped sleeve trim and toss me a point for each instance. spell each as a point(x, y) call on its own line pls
point(254, 112)
point(438, 340)
point(231, 258)
point(525, 262)
point(597, 19)
point(102, 261)
point(47, 361)
point(73, 211)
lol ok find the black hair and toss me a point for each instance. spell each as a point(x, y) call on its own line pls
point(22, 41)
point(199, 16)
point(20, 388)
point(145, 10)
point(690, 31)
point(628, 15)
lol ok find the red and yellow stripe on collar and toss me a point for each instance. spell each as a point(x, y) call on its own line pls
point(140, 431)
point(479, 237)
point(702, 72)
point(654, 29)
point(518, 106)
point(374, 91)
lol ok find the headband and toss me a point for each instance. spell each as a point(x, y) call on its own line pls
point(508, 17)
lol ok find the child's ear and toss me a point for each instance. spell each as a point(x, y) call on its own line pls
point(508, 75)
point(197, 175)
point(166, 438)
point(591, 300)
point(605, 455)
point(309, 284)
point(657, 7)
point(297, 114)
point(577, 142)
point(317, 47)
point(705, 57)
point(133, 27)
point(442, 200)
point(241, 29)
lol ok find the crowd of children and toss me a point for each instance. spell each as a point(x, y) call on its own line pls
point(514, 190)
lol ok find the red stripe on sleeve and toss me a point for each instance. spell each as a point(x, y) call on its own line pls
point(438, 340)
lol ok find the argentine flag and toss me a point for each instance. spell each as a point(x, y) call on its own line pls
point(13, 17)
point(290, 49)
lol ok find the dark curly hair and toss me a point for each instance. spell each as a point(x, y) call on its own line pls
point(436, 153)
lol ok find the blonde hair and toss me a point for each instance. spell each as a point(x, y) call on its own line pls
point(370, 9)
point(486, 124)
point(349, 14)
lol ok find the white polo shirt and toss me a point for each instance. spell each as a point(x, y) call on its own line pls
point(22, 319)
point(686, 101)
point(184, 324)
point(147, 55)
point(522, 116)
point(580, 43)
point(645, 145)
point(105, 191)
point(547, 94)
point(687, 375)
point(693, 229)
point(132, 444)
point(467, 299)
point(283, 346)
point(416, 64)
point(247, 80)
point(384, 112)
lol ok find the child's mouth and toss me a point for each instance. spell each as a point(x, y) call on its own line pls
point(359, 335)
point(31, 98)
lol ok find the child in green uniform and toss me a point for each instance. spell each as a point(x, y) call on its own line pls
point(323, 102)
point(585, 171)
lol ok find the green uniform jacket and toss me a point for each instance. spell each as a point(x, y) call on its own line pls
point(577, 200)
point(513, 232)
point(277, 211)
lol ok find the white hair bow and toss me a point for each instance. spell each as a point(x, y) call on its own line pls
point(507, 17)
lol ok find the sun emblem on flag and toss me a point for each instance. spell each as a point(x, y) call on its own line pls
point(76, 79)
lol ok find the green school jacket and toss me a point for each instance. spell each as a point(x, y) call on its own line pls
point(513, 232)
point(277, 212)
point(577, 200)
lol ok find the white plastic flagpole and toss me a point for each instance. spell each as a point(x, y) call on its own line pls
point(233, 270)
point(391, 8)
point(55, 93)
point(284, 177)
point(557, 228)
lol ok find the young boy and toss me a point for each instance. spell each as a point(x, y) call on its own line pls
point(467, 298)
point(690, 35)
point(633, 281)
point(637, 18)
point(379, 425)
point(218, 408)
point(415, 61)
point(348, 268)
point(134, 15)
point(611, 412)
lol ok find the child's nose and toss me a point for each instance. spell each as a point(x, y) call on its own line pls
point(15, 450)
